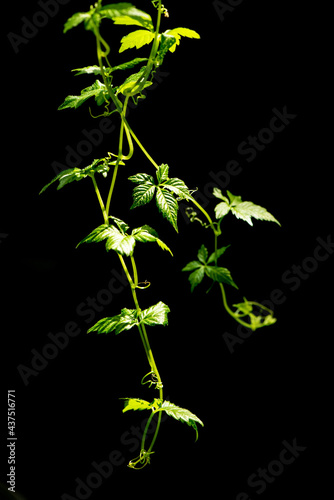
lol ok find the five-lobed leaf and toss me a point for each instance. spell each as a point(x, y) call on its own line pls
point(200, 268)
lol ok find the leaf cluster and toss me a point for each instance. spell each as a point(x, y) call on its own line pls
point(126, 14)
point(171, 409)
point(69, 175)
point(128, 318)
point(116, 237)
point(207, 265)
point(166, 191)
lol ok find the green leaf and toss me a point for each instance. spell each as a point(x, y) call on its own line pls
point(181, 414)
point(147, 234)
point(131, 81)
point(76, 174)
point(155, 315)
point(139, 178)
point(100, 233)
point(201, 267)
point(124, 321)
point(143, 193)
point(127, 14)
point(76, 19)
point(196, 277)
point(191, 266)
point(220, 252)
point(136, 404)
point(121, 243)
point(218, 194)
point(220, 274)
point(178, 187)
point(115, 239)
point(162, 173)
point(168, 206)
point(136, 39)
point(178, 32)
point(244, 210)
point(130, 64)
point(221, 210)
point(202, 254)
point(166, 42)
point(97, 90)
point(122, 226)
point(89, 70)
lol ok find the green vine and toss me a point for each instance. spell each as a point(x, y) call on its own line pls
point(167, 192)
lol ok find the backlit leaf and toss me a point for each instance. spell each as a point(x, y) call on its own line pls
point(181, 414)
point(143, 193)
point(178, 32)
point(126, 14)
point(76, 19)
point(124, 321)
point(136, 404)
point(146, 234)
point(166, 42)
point(115, 239)
point(168, 206)
point(178, 187)
point(162, 173)
point(155, 315)
point(244, 210)
point(136, 39)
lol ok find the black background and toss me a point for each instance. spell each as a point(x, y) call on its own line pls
point(214, 94)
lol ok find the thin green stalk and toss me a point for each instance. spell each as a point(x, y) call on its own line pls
point(97, 191)
point(119, 157)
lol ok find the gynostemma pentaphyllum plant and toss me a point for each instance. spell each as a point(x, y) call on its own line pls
point(112, 92)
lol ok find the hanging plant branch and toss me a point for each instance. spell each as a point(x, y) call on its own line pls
point(112, 91)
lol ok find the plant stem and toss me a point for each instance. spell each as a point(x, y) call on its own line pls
point(97, 191)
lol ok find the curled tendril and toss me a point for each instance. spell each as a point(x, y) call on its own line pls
point(143, 284)
point(141, 461)
point(192, 215)
point(154, 380)
point(163, 8)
